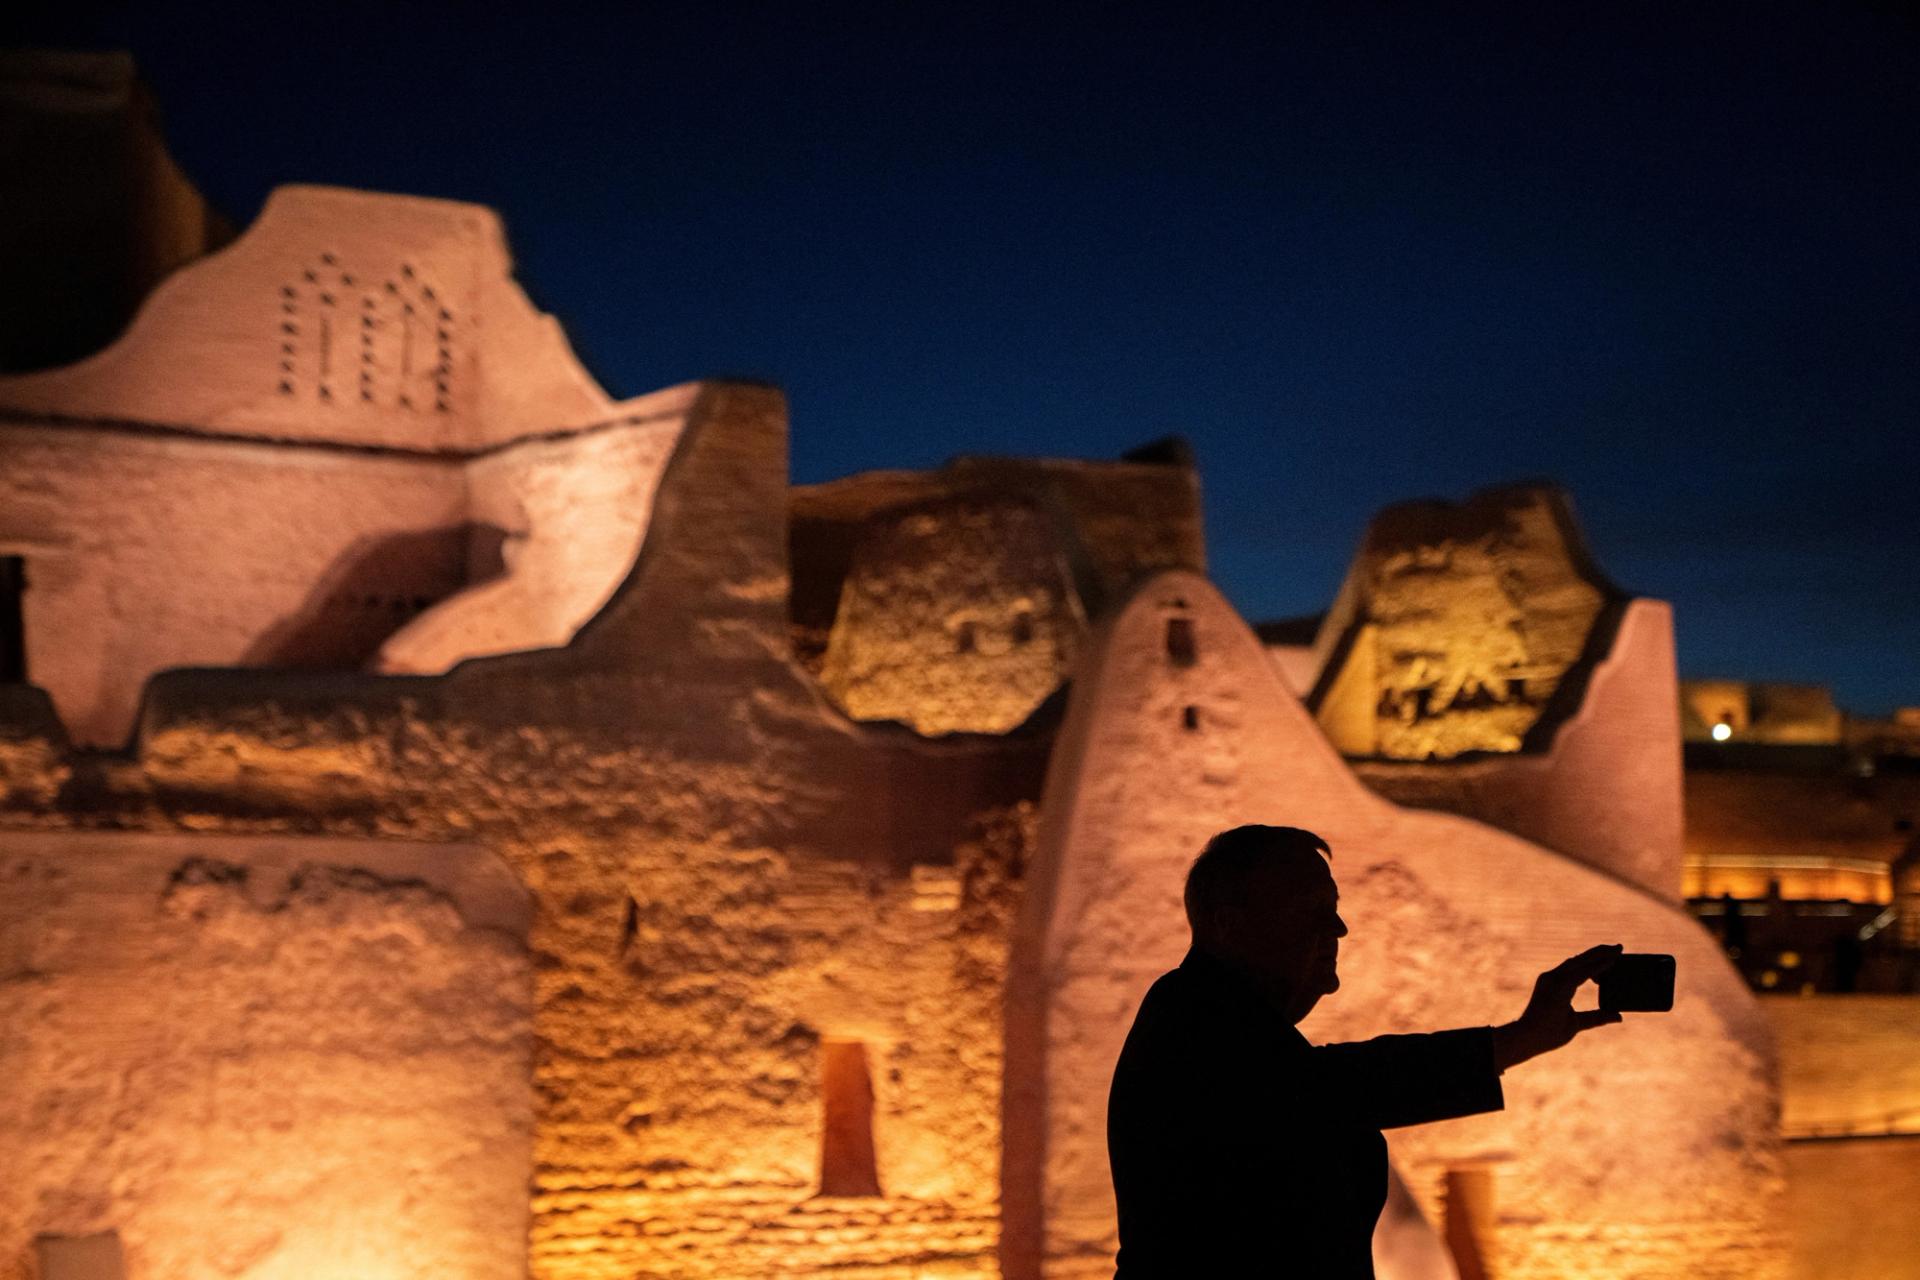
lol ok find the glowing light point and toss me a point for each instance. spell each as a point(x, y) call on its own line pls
point(1722, 731)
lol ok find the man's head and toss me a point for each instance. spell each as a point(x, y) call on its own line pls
point(1263, 900)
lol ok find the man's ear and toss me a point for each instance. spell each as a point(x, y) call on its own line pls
point(1227, 932)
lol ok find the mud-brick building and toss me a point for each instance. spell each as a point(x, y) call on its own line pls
point(455, 824)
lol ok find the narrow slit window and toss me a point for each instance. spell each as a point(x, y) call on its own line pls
point(629, 925)
point(13, 620)
point(1182, 649)
point(1190, 719)
point(847, 1166)
point(1468, 1220)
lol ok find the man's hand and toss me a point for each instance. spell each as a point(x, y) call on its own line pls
point(1550, 1020)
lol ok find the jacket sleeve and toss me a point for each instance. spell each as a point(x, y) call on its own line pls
point(1391, 1081)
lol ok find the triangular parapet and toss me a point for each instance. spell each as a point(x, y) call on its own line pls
point(342, 316)
point(1179, 727)
point(1605, 787)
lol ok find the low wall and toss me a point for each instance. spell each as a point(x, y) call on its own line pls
point(1851, 1203)
point(1849, 1064)
point(285, 1059)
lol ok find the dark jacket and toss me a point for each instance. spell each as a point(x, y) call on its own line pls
point(1241, 1150)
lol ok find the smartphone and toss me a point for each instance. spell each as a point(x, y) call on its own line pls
point(1638, 983)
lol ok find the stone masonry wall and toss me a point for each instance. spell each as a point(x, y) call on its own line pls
point(726, 875)
point(1455, 626)
point(264, 1057)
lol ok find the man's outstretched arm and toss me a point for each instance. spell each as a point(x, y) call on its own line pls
point(1391, 1081)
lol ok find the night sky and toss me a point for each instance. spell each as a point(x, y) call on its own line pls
point(1662, 254)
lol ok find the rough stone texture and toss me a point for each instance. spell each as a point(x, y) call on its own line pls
point(1851, 1203)
point(1849, 1064)
point(960, 616)
point(1131, 516)
point(1118, 521)
point(726, 870)
point(1451, 920)
point(1605, 790)
point(953, 600)
point(33, 755)
point(1456, 625)
point(264, 1057)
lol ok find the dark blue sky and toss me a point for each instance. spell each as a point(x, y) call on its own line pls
point(1662, 254)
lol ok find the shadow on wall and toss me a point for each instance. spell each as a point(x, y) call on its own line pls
point(379, 586)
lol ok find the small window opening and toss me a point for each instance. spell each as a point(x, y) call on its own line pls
point(1023, 627)
point(80, 1257)
point(963, 638)
point(847, 1165)
point(1422, 703)
point(1190, 719)
point(1469, 1220)
point(13, 630)
point(1182, 649)
point(1516, 689)
point(629, 925)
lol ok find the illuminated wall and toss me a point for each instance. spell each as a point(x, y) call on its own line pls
point(265, 1057)
point(955, 600)
point(1455, 626)
point(1605, 788)
point(1180, 727)
point(145, 551)
point(1750, 711)
point(1829, 834)
point(304, 444)
point(958, 617)
point(1851, 1204)
point(770, 941)
point(732, 884)
point(1849, 1064)
point(1850, 1105)
point(567, 516)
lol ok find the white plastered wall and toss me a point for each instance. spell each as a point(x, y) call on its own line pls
point(145, 551)
point(1648, 1149)
point(355, 369)
point(574, 511)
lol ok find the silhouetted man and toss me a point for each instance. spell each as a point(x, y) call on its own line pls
point(1238, 1148)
